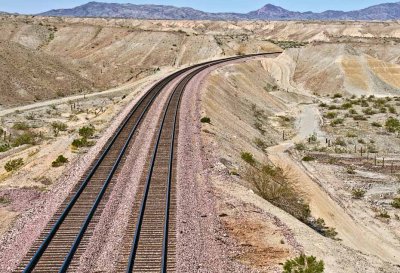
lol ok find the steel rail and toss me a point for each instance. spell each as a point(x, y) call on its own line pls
point(136, 238)
point(156, 89)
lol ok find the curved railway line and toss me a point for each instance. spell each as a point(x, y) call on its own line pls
point(150, 238)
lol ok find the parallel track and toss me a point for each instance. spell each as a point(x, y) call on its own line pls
point(67, 234)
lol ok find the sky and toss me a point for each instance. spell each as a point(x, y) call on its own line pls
point(241, 6)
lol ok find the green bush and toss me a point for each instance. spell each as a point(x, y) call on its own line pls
point(308, 158)
point(376, 124)
point(14, 164)
point(347, 105)
point(4, 148)
point(25, 138)
point(300, 146)
point(59, 127)
point(82, 142)
point(369, 111)
point(359, 117)
point(277, 186)
point(337, 121)
point(340, 142)
point(248, 158)
point(205, 120)
point(358, 193)
point(351, 134)
point(392, 110)
point(320, 226)
point(61, 160)
point(331, 115)
point(396, 203)
point(303, 264)
point(337, 96)
point(21, 126)
point(260, 143)
point(353, 112)
point(392, 124)
point(87, 131)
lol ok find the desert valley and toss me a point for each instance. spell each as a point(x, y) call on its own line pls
point(277, 155)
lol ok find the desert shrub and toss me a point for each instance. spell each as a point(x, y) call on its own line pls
point(61, 160)
point(308, 158)
point(396, 203)
point(347, 105)
point(248, 158)
point(383, 110)
point(379, 103)
point(87, 131)
point(300, 146)
point(392, 124)
point(376, 124)
point(259, 127)
point(25, 138)
point(320, 226)
point(323, 104)
point(14, 164)
point(82, 142)
point(303, 264)
point(313, 138)
point(332, 107)
point(369, 111)
point(59, 127)
point(4, 200)
point(351, 134)
point(331, 115)
point(358, 193)
point(22, 126)
point(260, 143)
point(337, 121)
point(205, 120)
point(359, 117)
point(364, 103)
point(384, 214)
point(361, 141)
point(353, 112)
point(4, 148)
point(337, 96)
point(351, 170)
point(340, 142)
point(392, 110)
point(277, 186)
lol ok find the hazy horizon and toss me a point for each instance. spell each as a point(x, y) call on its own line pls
point(239, 6)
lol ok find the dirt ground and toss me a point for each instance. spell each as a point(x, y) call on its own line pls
point(232, 95)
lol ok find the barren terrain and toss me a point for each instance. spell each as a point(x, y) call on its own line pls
point(309, 110)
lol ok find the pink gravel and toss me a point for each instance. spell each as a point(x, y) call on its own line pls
point(32, 220)
point(199, 231)
point(102, 253)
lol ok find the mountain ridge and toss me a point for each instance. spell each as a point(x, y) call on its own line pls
point(385, 11)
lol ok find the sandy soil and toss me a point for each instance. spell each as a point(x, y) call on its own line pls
point(322, 205)
point(224, 144)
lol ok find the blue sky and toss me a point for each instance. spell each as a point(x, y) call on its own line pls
point(36, 6)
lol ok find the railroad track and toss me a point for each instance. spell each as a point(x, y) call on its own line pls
point(151, 230)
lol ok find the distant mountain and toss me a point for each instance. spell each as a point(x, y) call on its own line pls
point(388, 11)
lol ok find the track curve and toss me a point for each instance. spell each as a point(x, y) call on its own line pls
point(152, 225)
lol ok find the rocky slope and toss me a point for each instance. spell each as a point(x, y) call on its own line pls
point(387, 11)
point(28, 75)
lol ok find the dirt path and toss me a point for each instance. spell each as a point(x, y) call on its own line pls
point(353, 235)
point(122, 88)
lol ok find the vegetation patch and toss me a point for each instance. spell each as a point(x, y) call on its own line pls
point(248, 158)
point(205, 120)
point(61, 160)
point(14, 164)
point(303, 264)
